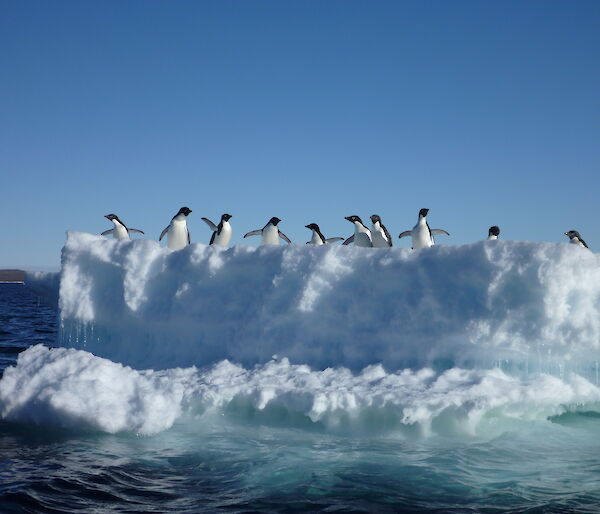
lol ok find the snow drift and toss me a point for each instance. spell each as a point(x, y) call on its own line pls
point(529, 306)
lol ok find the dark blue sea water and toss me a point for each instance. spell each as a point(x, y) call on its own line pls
point(242, 462)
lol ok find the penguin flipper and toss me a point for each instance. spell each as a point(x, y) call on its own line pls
point(333, 239)
point(584, 243)
point(387, 234)
point(284, 237)
point(162, 234)
point(405, 234)
point(212, 238)
point(135, 230)
point(211, 225)
point(438, 231)
point(254, 233)
point(107, 232)
point(189, 240)
point(349, 240)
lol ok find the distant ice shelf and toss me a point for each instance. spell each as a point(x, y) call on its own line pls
point(531, 306)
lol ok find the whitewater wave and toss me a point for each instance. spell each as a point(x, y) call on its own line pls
point(75, 389)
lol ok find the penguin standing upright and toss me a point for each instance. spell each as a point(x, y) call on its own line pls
point(379, 233)
point(361, 236)
point(270, 233)
point(177, 232)
point(318, 238)
point(222, 232)
point(120, 230)
point(575, 238)
point(422, 235)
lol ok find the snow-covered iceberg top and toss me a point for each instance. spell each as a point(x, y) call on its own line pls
point(532, 305)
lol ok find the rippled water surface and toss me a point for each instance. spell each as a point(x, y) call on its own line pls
point(240, 461)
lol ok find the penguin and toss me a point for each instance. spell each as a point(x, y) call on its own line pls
point(379, 233)
point(361, 236)
point(575, 238)
point(422, 235)
point(177, 232)
point(493, 233)
point(222, 232)
point(270, 233)
point(318, 238)
point(120, 231)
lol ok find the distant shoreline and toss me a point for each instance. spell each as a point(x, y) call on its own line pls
point(12, 276)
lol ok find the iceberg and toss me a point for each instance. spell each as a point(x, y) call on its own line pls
point(522, 306)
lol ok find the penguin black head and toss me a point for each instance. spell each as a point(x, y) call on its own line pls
point(353, 219)
point(312, 226)
point(274, 221)
point(423, 213)
point(112, 217)
point(494, 231)
point(226, 217)
point(375, 218)
point(572, 233)
point(184, 210)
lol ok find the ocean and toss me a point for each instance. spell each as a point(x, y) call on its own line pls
point(242, 459)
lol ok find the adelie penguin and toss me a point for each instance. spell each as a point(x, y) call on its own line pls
point(222, 232)
point(270, 233)
point(422, 235)
point(361, 236)
point(120, 230)
point(575, 238)
point(493, 233)
point(177, 232)
point(380, 236)
point(318, 238)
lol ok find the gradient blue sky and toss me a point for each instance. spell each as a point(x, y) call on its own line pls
point(484, 112)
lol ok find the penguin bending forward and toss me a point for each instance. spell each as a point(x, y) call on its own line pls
point(493, 233)
point(120, 230)
point(177, 232)
point(222, 232)
point(270, 233)
point(361, 236)
point(318, 238)
point(422, 235)
point(575, 238)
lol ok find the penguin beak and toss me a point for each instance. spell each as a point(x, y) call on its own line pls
point(347, 218)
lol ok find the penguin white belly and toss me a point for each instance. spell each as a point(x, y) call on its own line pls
point(315, 239)
point(421, 238)
point(224, 237)
point(378, 239)
point(177, 236)
point(120, 232)
point(577, 242)
point(270, 235)
point(362, 239)
point(492, 238)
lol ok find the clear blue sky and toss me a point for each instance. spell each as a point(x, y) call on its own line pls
point(484, 112)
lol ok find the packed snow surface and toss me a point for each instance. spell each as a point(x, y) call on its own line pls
point(74, 389)
point(535, 306)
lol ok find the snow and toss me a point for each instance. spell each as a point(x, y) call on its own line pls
point(534, 306)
